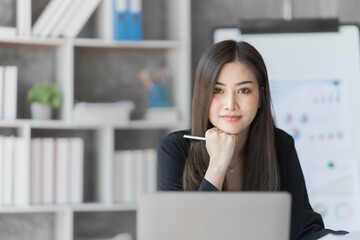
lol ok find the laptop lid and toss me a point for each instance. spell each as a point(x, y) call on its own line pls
point(207, 216)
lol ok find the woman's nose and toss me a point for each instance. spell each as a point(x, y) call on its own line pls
point(230, 102)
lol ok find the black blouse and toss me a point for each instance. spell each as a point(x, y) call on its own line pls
point(305, 223)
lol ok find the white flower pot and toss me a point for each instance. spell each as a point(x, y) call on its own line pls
point(41, 111)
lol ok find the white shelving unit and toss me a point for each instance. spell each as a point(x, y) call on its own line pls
point(177, 52)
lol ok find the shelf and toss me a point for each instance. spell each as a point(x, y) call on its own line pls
point(144, 44)
point(86, 207)
point(59, 124)
point(96, 207)
point(31, 41)
point(143, 124)
point(92, 43)
point(44, 124)
point(32, 209)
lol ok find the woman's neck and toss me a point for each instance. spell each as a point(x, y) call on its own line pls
point(239, 153)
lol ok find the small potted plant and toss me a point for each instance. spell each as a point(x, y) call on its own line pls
point(43, 97)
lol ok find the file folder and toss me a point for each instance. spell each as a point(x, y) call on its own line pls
point(121, 19)
point(135, 19)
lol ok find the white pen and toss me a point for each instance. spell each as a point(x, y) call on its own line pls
point(194, 137)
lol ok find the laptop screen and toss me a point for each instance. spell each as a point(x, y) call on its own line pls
point(206, 216)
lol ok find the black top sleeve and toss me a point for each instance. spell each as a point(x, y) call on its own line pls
point(172, 152)
point(305, 223)
point(171, 161)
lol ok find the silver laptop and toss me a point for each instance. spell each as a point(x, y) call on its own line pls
point(214, 216)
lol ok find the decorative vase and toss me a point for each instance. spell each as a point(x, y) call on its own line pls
point(41, 111)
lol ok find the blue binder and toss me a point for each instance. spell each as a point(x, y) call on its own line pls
point(135, 11)
point(121, 19)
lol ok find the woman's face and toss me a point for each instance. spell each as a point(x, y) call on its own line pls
point(236, 99)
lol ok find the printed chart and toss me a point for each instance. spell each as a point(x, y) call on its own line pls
point(314, 111)
point(333, 187)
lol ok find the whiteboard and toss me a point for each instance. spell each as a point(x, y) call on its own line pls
point(315, 82)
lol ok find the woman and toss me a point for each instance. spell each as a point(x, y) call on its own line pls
point(243, 150)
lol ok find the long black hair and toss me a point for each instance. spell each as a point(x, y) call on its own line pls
point(260, 168)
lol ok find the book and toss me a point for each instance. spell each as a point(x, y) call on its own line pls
point(105, 20)
point(135, 172)
point(8, 170)
point(129, 182)
point(10, 92)
point(83, 14)
point(36, 171)
point(76, 146)
point(1, 91)
point(2, 156)
point(45, 17)
point(141, 172)
point(48, 173)
point(121, 19)
point(21, 173)
point(66, 18)
point(62, 171)
point(118, 177)
point(162, 114)
point(151, 156)
point(55, 17)
point(135, 19)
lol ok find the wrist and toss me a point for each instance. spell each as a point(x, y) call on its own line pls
point(215, 174)
point(217, 168)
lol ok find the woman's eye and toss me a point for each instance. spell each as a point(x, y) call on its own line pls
point(217, 90)
point(244, 90)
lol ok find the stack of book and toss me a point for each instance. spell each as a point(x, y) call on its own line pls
point(166, 114)
point(135, 172)
point(120, 20)
point(113, 112)
point(116, 19)
point(56, 170)
point(66, 18)
point(14, 175)
point(8, 92)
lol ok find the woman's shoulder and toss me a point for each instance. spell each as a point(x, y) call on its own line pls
point(177, 136)
point(282, 138)
point(175, 139)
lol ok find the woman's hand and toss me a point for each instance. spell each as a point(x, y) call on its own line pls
point(220, 147)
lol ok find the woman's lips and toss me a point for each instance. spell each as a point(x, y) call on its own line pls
point(231, 118)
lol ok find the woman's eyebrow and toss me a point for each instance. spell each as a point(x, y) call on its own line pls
point(237, 84)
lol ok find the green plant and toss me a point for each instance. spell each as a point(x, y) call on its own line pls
point(45, 93)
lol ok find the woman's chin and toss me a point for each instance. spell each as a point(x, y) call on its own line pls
point(233, 130)
point(229, 131)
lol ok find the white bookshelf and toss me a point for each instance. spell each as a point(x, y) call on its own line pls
point(86, 207)
point(176, 49)
point(30, 41)
point(60, 124)
point(144, 44)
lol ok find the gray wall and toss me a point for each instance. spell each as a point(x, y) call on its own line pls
point(209, 14)
point(206, 15)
